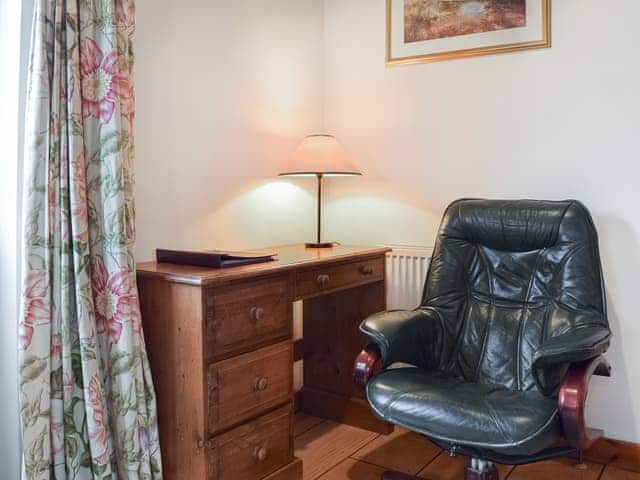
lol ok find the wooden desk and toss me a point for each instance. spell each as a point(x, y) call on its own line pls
point(221, 352)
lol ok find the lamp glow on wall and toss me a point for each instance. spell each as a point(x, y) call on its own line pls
point(320, 156)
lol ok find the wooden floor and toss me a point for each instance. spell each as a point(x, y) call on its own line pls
point(331, 451)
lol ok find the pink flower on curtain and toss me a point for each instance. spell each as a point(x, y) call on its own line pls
point(56, 346)
point(79, 118)
point(113, 299)
point(125, 17)
point(104, 83)
point(68, 384)
point(35, 306)
point(97, 428)
point(79, 210)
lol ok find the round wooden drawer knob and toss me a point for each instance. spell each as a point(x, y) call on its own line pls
point(322, 280)
point(261, 384)
point(256, 313)
point(366, 270)
point(260, 453)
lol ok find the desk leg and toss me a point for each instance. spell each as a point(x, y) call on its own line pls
point(331, 343)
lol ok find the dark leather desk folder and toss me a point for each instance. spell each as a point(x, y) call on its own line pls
point(211, 258)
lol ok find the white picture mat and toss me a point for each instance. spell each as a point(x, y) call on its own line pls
point(534, 31)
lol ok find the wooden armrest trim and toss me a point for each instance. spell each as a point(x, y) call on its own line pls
point(364, 366)
point(572, 399)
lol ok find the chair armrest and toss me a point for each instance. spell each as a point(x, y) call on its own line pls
point(581, 343)
point(365, 364)
point(556, 354)
point(572, 399)
point(406, 336)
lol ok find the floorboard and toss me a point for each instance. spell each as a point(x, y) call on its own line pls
point(615, 473)
point(331, 451)
point(561, 469)
point(326, 445)
point(445, 467)
point(304, 423)
point(353, 469)
point(402, 451)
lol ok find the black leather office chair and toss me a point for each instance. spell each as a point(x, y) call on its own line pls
point(511, 327)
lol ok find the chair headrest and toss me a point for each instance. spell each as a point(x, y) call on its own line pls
point(518, 225)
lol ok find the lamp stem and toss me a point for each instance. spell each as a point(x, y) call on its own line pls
point(319, 229)
point(319, 243)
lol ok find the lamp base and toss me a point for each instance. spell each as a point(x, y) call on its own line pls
point(318, 244)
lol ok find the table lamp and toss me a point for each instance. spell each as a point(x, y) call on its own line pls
point(320, 156)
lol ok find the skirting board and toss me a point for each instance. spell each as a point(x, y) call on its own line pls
point(625, 455)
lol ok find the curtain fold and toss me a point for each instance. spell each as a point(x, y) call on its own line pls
point(88, 407)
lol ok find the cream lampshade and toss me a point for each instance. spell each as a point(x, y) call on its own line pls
point(320, 156)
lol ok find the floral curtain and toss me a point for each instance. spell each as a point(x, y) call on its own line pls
point(88, 406)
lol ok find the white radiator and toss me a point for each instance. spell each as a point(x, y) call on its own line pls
point(406, 273)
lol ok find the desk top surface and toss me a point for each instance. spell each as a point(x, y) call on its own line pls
point(289, 257)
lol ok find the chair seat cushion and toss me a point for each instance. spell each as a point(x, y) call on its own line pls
point(457, 412)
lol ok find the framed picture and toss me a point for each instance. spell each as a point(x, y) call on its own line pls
point(431, 30)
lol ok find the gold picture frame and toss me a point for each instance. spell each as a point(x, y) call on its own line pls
point(544, 42)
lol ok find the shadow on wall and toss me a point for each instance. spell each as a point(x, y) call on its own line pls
point(611, 400)
point(270, 212)
point(233, 215)
point(370, 212)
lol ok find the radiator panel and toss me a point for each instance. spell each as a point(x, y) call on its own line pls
point(406, 272)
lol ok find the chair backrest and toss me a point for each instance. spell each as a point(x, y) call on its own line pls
point(505, 276)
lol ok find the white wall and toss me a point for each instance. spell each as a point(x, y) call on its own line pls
point(225, 91)
point(559, 123)
point(13, 47)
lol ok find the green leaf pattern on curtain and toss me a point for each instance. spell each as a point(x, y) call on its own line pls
point(88, 407)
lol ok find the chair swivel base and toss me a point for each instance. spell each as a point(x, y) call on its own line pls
point(476, 470)
point(481, 471)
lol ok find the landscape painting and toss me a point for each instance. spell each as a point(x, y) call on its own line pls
point(433, 19)
point(433, 30)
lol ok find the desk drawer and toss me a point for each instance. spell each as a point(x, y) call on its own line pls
point(317, 281)
point(248, 385)
point(254, 450)
point(244, 316)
